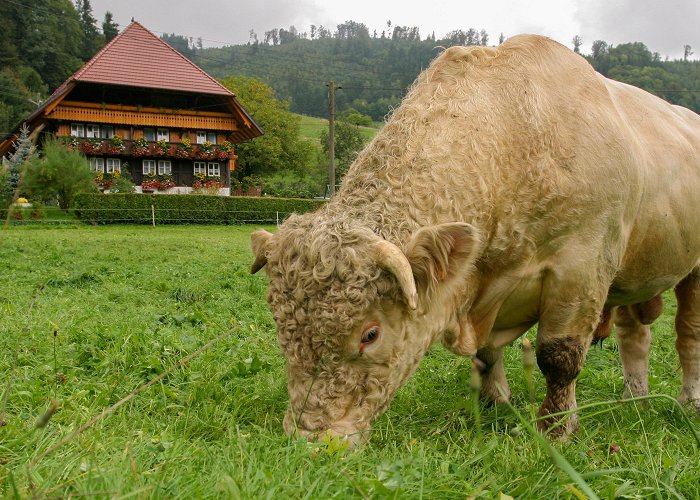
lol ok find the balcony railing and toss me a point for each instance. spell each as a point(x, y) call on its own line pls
point(160, 149)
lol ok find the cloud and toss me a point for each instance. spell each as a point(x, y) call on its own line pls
point(664, 27)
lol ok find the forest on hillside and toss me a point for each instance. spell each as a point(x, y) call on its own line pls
point(375, 70)
point(44, 42)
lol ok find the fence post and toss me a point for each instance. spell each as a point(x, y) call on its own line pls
point(153, 214)
point(278, 218)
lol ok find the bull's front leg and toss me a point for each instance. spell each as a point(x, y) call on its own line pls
point(560, 360)
point(570, 313)
point(493, 375)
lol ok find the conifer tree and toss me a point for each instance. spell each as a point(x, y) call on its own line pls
point(92, 40)
point(14, 166)
point(110, 29)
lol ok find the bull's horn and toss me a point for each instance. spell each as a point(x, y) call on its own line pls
point(389, 257)
point(259, 241)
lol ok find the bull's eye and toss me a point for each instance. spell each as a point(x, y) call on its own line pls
point(370, 335)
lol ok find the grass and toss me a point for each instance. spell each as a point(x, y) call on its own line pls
point(89, 314)
point(312, 126)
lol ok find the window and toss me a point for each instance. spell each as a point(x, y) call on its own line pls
point(200, 167)
point(211, 137)
point(201, 136)
point(149, 134)
point(106, 131)
point(163, 135)
point(165, 167)
point(114, 165)
point(97, 164)
point(149, 167)
point(77, 130)
point(92, 130)
point(214, 169)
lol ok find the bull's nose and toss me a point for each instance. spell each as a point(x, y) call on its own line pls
point(340, 430)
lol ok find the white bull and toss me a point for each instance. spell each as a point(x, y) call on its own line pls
point(513, 186)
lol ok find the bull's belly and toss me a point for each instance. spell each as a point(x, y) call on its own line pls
point(645, 275)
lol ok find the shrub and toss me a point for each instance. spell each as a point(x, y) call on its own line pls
point(60, 174)
point(187, 209)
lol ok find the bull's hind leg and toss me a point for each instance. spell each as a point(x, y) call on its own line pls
point(633, 332)
point(688, 337)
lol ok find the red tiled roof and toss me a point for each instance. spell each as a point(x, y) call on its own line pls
point(138, 58)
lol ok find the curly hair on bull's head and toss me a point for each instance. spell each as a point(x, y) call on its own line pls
point(345, 303)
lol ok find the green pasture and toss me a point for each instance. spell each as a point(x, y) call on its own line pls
point(311, 127)
point(141, 362)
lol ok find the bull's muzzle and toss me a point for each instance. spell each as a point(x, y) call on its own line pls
point(343, 430)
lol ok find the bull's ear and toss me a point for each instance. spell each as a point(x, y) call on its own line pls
point(260, 241)
point(442, 254)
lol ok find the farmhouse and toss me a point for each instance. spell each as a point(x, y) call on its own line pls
point(140, 105)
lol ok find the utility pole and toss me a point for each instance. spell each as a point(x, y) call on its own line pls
point(331, 138)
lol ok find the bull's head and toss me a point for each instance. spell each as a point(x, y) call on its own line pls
point(355, 314)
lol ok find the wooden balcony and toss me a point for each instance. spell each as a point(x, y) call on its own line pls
point(141, 117)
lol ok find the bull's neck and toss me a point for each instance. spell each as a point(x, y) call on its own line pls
point(395, 208)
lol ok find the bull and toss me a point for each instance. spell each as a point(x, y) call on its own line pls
point(513, 186)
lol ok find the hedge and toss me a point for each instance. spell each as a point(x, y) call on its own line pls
point(187, 209)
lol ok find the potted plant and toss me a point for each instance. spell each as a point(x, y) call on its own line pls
point(139, 147)
point(149, 183)
point(184, 149)
point(224, 151)
point(205, 151)
point(115, 145)
point(165, 182)
point(91, 146)
point(160, 148)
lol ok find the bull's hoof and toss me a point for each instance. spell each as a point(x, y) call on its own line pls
point(558, 427)
point(492, 396)
point(635, 388)
point(690, 402)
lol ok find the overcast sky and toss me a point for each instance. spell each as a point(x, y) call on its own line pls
point(664, 26)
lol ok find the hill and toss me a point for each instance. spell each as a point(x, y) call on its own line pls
point(373, 73)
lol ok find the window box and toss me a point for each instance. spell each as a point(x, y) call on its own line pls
point(105, 181)
point(206, 184)
point(184, 149)
point(91, 146)
point(139, 147)
point(115, 145)
point(205, 151)
point(160, 148)
point(152, 182)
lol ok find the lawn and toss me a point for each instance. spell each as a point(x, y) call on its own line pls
point(312, 126)
point(90, 314)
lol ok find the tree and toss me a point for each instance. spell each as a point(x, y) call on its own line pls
point(577, 41)
point(92, 40)
point(281, 149)
point(348, 143)
point(15, 166)
point(178, 42)
point(60, 174)
point(687, 52)
point(110, 29)
point(351, 115)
